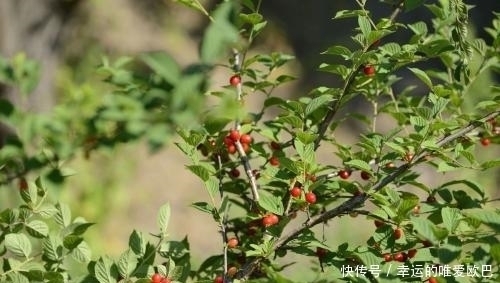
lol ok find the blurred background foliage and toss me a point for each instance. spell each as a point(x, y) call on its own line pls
point(53, 47)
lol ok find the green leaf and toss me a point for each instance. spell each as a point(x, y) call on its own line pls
point(52, 247)
point(368, 258)
point(490, 164)
point(306, 152)
point(450, 251)
point(72, 241)
point(163, 218)
point(364, 25)
point(338, 50)
point(439, 104)
point(306, 137)
point(446, 167)
point(419, 28)
point(82, 253)
point(46, 210)
point(271, 203)
point(193, 4)
point(16, 277)
point(63, 215)
point(451, 218)
point(18, 244)
point(200, 171)
point(317, 102)
point(424, 227)
point(413, 4)
point(422, 76)
point(359, 164)
point(349, 14)
point(203, 206)
point(126, 263)
point(471, 184)
point(294, 121)
point(136, 243)
point(253, 18)
point(103, 270)
point(495, 252)
point(212, 186)
point(37, 229)
point(338, 69)
point(219, 34)
point(78, 228)
point(391, 48)
point(483, 215)
point(163, 65)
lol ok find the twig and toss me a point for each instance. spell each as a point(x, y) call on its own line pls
point(358, 200)
point(243, 157)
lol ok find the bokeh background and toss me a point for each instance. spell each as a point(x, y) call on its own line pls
point(122, 188)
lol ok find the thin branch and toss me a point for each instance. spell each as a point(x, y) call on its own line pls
point(237, 63)
point(357, 201)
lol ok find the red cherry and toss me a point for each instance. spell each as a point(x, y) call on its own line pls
point(235, 173)
point(156, 278)
point(228, 141)
point(378, 223)
point(369, 70)
point(274, 218)
point(359, 193)
point(231, 271)
point(274, 161)
point(23, 185)
point(390, 165)
point(311, 178)
point(344, 174)
point(320, 252)
point(412, 253)
point(365, 175)
point(416, 210)
point(246, 139)
point(310, 197)
point(408, 157)
point(270, 220)
point(246, 147)
point(235, 80)
point(295, 192)
point(387, 257)
point(165, 280)
point(431, 199)
point(231, 149)
point(432, 280)
point(485, 141)
point(234, 135)
point(401, 257)
point(398, 233)
point(219, 279)
point(275, 145)
point(232, 243)
point(427, 243)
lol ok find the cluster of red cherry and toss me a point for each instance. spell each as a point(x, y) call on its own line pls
point(158, 278)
